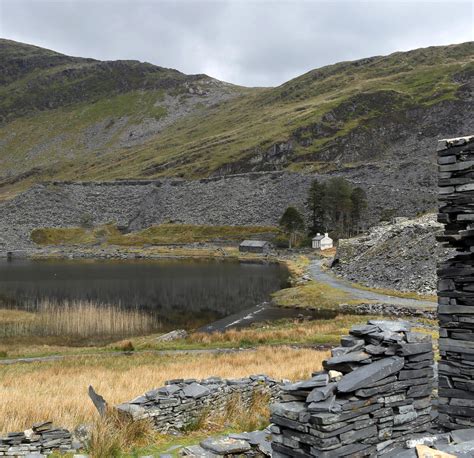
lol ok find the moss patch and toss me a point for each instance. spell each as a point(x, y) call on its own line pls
point(73, 235)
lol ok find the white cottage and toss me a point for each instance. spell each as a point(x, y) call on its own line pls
point(322, 242)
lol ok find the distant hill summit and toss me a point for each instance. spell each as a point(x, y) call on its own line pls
point(373, 120)
point(38, 79)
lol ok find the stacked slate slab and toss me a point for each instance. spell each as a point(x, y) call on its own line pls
point(42, 438)
point(374, 391)
point(456, 283)
point(181, 403)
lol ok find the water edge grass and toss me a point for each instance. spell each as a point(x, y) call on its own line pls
point(76, 320)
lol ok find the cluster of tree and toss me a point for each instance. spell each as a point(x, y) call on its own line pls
point(335, 205)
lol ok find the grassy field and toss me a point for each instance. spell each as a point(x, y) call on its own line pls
point(164, 234)
point(313, 295)
point(318, 332)
point(58, 390)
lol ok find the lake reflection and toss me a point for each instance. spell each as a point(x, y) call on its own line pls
point(180, 293)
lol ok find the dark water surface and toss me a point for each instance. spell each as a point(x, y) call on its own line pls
point(181, 293)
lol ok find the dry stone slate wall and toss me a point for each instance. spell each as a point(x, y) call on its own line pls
point(42, 438)
point(456, 283)
point(182, 403)
point(375, 390)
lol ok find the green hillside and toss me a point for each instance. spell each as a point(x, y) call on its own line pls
point(77, 119)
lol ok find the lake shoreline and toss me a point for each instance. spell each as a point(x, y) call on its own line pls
point(75, 260)
point(205, 251)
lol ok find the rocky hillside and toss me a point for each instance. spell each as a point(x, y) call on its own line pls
point(401, 255)
point(374, 120)
point(250, 199)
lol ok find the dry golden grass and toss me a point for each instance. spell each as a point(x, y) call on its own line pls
point(15, 316)
point(57, 390)
point(114, 434)
point(321, 331)
point(239, 416)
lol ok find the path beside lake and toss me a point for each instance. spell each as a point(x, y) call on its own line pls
point(317, 273)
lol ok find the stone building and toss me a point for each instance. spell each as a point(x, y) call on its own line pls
point(322, 242)
point(254, 246)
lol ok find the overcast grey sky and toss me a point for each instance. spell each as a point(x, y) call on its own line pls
point(249, 42)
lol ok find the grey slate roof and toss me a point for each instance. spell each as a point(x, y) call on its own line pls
point(318, 237)
point(254, 243)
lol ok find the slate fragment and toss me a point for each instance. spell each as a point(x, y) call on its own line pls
point(369, 374)
point(321, 393)
point(393, 326)
point(195, 390)
point(225, 445)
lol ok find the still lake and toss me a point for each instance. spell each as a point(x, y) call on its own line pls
point(176, 293)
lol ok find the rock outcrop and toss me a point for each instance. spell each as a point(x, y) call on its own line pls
point(400, 255)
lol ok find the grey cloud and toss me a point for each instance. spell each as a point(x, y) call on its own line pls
point(254, 43)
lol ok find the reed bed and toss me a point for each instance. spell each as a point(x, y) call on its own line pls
point(57, 390)
point(76, 319)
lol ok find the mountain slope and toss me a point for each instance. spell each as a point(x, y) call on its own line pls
point(371, 120)
point(35, 79)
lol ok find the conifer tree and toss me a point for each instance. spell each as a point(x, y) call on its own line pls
point(292, 223)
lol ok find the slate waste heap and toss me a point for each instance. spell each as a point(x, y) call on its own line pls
point(456, 283)
point(375, 389)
